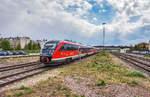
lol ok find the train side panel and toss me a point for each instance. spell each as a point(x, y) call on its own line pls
point(61, 54)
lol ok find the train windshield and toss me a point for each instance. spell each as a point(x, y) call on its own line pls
point(49, 48)
point(50, 45)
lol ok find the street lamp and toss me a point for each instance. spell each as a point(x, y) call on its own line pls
point(103, 24)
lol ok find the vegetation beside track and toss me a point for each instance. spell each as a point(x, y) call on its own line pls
point(148, 56)
point(101, 69)
point(49, 88)
point(95, 72)
point(18, 59)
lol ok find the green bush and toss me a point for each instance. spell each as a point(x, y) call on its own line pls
point(101, 83)
point(18, 94)
point(5, 45)
point(23, 87)
point(133, 83)
point(135, 74)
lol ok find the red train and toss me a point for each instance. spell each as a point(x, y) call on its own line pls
point(64, 51)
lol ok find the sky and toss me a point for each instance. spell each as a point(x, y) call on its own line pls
point(127, 21)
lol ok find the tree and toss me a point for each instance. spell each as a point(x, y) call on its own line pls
point(39, 45)
point(5, 45)
point(36, 46)
point(131, 47)
point(18, 47)
point(30, 45)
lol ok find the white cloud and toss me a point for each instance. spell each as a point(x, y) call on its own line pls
point(47, 18)
point(82, 6)
point(102, 11)
point(94, 19)
point(53, 20)
point(127, 9)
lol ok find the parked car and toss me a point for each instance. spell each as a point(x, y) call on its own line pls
point(15, 53)
point(9, 53)
point(22, 53)
point(3, 53)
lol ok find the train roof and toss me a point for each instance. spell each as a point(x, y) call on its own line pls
point(69, 42)
point(77, 44)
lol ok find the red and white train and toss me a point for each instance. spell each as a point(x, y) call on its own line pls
point(64, 51)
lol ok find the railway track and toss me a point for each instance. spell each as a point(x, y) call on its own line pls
point(141, 62)
point(14, 73)
point(11, 67)
point(140, 57)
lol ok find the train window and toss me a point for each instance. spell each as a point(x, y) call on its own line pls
point(71, 47)
point(68, 47)
point(76, 47)
point(62, 48)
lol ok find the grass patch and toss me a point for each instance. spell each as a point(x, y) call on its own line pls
point(101, 83)
point(148, 56)
point(22, 91)
point(136, 74)
point(52, 87)
point(18, 94)
point(133, 83)
point(18, 59)
point(23, 88)
point(102, 67)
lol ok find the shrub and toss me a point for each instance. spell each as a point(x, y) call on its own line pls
point(23, 87)
point(101, 83)
point(135, 74)
point(18, 94)
point(133, 83)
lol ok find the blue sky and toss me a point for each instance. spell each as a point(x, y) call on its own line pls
point(127, 21)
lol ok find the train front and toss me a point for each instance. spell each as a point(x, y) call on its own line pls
point(47, 51)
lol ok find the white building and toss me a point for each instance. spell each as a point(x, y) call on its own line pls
point(124, 50)
point(15, 41)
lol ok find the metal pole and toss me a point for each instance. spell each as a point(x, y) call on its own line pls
point(103, 35)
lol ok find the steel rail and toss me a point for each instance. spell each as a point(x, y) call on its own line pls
point(6, 68)
point(24, 71)
point(5, 80)
point(20, 78)
point(135, 62)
